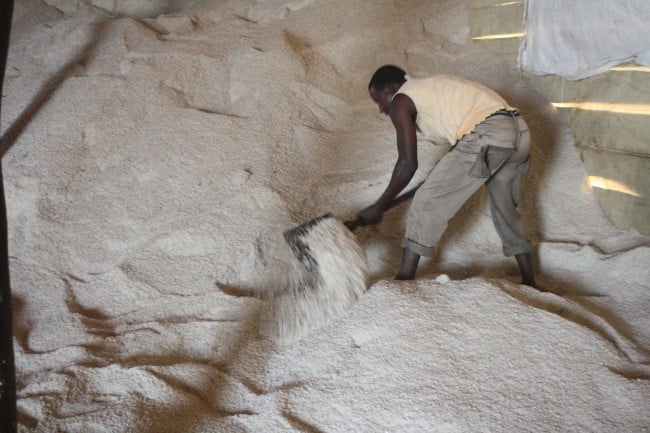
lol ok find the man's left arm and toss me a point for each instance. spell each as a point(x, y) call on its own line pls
point(402, 114)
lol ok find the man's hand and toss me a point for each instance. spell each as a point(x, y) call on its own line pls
point(369, 216)
point(372, 215)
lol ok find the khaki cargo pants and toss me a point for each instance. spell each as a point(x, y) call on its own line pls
point(495, 153)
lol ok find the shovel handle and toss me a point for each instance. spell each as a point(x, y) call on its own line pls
point(353, 224)
point(359, 222)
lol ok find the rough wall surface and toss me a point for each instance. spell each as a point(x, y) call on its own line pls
point(608, 115)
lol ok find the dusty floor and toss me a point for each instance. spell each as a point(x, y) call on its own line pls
point(151, 165)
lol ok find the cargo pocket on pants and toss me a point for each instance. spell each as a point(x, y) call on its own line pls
point(480, 167)
point(524, 166)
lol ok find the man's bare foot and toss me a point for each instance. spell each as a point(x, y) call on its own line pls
point(534, 285)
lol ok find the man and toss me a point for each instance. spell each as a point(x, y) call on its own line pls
point(491, 147)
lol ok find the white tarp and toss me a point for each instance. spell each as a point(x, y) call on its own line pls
point(581, 38)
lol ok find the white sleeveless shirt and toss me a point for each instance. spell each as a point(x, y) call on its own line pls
point(449, 106)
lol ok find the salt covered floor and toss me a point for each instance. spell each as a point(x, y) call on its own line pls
point(153, 164)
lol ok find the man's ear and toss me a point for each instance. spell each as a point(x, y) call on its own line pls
point(385, 90)
point(392, 88)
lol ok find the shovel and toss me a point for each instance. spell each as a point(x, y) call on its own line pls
point(328, 277)
point(295, 237)
point(359, 222)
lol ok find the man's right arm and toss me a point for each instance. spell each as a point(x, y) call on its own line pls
point(402, 114)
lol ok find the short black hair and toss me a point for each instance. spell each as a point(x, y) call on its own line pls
point(386, 75)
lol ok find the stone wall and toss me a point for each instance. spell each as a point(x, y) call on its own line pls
point(132, 8)
point(609, 115)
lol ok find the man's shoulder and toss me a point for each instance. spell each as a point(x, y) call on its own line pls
point(431, 81)
point(436, 78)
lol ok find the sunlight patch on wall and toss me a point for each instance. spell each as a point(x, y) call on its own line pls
point(499, 36)
point(611, 185)
point(641, 109)
point(635, 68)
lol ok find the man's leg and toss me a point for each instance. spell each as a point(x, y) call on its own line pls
point(409, 265)
point(504, 188)
point(526, 269)
point(508, 223)
point(447, 187)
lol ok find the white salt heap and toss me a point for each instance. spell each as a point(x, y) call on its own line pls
point(153, 161)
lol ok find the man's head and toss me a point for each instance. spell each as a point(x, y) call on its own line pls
point(384, 84)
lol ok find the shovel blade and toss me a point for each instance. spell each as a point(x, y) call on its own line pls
point(296, 238)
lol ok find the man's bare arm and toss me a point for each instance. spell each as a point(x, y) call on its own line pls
point(402, 113)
